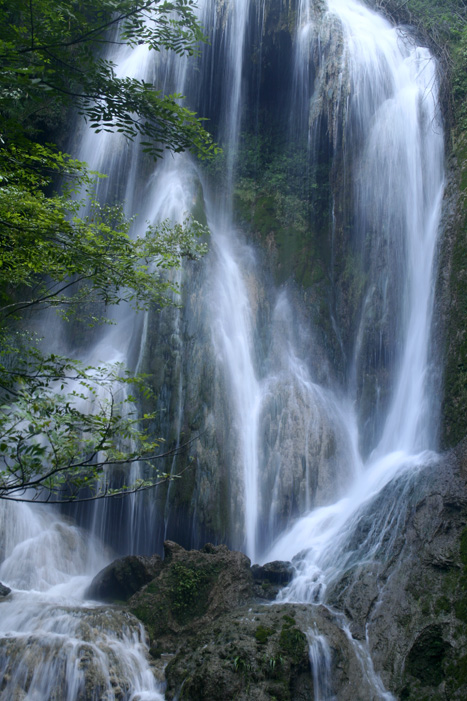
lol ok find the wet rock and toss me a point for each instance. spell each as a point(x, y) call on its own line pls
point(203, 609)
point(276, 572)
point(124, 577)
point(261, 653)
point(88, 653)
point(192, 588)
point(271, 578)
point(4, 591)
point(411, 602)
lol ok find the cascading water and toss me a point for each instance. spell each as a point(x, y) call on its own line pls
point(392, 113)
point(282, 431)
point(320, 660)
point(400, 170)
point(52, 645)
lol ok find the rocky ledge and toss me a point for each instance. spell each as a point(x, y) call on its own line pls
point(216, 632)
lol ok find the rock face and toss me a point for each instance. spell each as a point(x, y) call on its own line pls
point(122, 578)
point(412, 601)
point(262, 652)
point(193, 588)
point(272, 577)
point(85, 660)
point(208, 610)
point(208, 613)
point(211, 612)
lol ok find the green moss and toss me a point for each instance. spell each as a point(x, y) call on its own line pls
point(454, 425)
point(152, 588)
point(425, 607)
point(289, 621)
point(293, 643)
point(442, 605)
point(463, 548)
point(262, 634)
point(280, 200)
point(460, 608)
point(189, 590)
point(458, 582)
point(450, 582)
point(145, 614)
point(425, 660)
point(457, 672)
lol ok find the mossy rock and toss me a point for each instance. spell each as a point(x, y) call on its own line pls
point(263, 634)
point(426, 659)
point(261, 652)
point(189, 590)
point(293, 643)
point(192, 586)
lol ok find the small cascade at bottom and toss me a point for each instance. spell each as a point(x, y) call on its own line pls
point(53, 643)
point(320, 661)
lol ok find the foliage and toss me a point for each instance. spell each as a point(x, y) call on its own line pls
point(53, 54)
point(242, 665)
point(62, 423)
point(262, 634)
point(283, 196)
point(51, 244)
point(441, 21)
point(50, 445)
point(442, 26)
point(292, 641)
point(459, 80)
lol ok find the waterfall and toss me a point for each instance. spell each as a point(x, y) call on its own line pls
point(52, 644)
point(400, 178)
point(392, 113)
point(304, 437)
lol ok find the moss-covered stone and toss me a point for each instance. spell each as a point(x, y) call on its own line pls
point(225, 660)
point(189, 590)
point(293, 643)
point(454, 410)
point(262, 634)
point(426, 658)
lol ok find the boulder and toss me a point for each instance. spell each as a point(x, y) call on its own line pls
point(271, 578)
point(276, 572)
point(193, 587)
point(122, 578)
point(208, 613)
point(4, 591)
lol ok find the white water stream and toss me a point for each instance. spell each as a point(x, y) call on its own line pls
point(403, 163)
point(52, 644)
point(389, 87)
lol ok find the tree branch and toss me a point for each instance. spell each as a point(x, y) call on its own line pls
point(87, 36)
point(105, 495)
